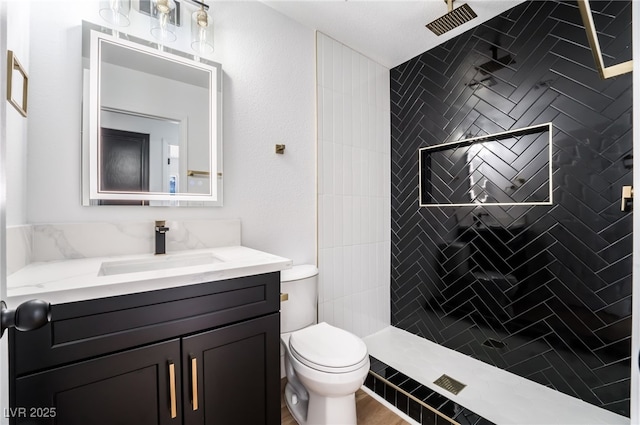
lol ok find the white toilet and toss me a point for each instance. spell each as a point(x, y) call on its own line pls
point(324, 365)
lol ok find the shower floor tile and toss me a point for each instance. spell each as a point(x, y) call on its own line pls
point(499, 396)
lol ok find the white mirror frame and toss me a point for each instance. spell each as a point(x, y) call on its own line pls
point(91, 121)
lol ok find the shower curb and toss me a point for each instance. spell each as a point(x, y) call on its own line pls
point(416, 400)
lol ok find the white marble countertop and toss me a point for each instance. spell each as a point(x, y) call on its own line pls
point(68, 281)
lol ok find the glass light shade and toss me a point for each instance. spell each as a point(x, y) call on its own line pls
point(202, 32)
point(116, 12)
point(162, 25)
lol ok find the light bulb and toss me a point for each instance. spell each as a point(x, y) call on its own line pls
point(201, 32)
point(162, 28)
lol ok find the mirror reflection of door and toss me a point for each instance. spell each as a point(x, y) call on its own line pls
point(167, 151)
point(124, 163)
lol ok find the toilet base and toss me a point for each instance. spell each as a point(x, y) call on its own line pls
point(321, 410)
point(331, 410)
point(297, 404)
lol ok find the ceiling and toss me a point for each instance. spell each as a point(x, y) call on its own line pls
point(388, 31)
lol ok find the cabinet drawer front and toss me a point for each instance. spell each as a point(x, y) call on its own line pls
point(97, 327)
point(72, 330)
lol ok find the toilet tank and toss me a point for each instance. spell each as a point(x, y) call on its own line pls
point(300, 283)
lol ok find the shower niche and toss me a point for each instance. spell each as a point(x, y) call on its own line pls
point(508, 168)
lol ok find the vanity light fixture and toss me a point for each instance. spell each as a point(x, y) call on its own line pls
point(163, 20)
point(165, 17)
point(202, 30)
point(116, 12)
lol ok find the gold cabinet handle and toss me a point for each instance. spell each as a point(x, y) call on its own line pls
point(194, 383)
point(172, 389)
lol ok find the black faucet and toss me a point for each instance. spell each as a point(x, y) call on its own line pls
point(161, 230)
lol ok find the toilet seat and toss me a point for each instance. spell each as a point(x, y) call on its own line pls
point(328, 349)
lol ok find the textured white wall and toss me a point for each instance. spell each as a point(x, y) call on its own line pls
point(268, 65)
point(4, 358)
point(16, 125)
point(354, 195)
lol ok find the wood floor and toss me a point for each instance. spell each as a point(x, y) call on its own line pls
point(369, 411)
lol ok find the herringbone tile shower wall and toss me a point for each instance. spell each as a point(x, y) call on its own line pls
point(541, 291)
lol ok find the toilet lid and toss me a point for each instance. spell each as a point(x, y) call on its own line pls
point(327, 346)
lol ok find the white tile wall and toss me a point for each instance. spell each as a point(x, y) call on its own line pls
point(354, 200)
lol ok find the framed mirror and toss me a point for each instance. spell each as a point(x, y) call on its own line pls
point(152, 124)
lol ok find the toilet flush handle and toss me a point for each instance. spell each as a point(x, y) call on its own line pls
point(284, 296)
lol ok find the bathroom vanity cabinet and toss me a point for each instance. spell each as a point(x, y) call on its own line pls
point(197, 354)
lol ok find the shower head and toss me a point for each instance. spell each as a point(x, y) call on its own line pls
point(454, 18)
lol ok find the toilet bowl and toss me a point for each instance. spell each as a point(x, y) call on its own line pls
point(324, 365)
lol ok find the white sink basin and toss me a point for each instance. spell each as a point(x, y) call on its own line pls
point(160, 262)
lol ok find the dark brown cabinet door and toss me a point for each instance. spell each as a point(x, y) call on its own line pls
point(132, 387)
point(232, 374)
